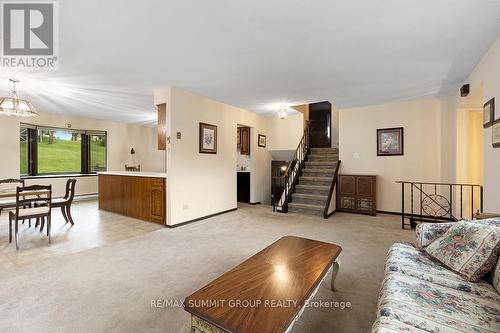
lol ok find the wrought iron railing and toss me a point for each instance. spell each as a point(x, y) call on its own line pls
point(283, 186)
point(438, 202)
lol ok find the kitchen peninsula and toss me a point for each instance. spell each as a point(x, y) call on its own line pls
point(141, 195)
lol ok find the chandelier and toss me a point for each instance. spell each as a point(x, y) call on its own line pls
point(283, 112)
point(15, 106)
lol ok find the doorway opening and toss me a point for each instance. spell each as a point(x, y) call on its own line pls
point(243, 163)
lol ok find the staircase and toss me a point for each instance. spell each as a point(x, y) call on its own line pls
point(313, 189)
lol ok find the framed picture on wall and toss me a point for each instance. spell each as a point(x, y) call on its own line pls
point(489, 113)
point(262, 140)
point(208, 139)
point(495, 135)
point(390, 141)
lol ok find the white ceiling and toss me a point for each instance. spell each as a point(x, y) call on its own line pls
point(258, 54)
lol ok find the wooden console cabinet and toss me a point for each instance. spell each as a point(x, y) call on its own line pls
point(357, 194)
point(137, 196)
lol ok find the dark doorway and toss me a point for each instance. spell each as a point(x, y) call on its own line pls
point(320, 116)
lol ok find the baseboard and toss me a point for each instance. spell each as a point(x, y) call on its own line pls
point(389, 213)
point(201, 218)
point(85, 197)
point(255, 203)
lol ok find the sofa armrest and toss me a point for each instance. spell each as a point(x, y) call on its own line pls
point(426, 233)
point(482, 216)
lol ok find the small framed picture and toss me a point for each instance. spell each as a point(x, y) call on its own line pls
point(208, 139)
point(262, 140)
point(390, 141)
point(489, 113)
point(495, 135)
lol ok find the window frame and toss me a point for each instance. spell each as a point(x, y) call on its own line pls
point(32, 150)
point(88, 150)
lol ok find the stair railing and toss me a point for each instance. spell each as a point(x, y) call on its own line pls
point(283, 186)
point(330, 193)
point(438, 202)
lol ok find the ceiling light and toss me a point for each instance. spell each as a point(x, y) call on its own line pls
point(14, 106)
point(283, 112)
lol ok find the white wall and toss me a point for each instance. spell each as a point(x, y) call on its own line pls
point(203, 184)
point(335, 126)
point(285, 134)
point(486, 75)
point(449, 136)
point(121, 137)
point(426, 147)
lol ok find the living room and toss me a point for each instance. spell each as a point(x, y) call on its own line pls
point(120, 202)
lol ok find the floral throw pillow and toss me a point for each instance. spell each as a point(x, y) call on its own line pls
point(495, 279)
point(427, 233)
point(495, 222)
point(468, 248)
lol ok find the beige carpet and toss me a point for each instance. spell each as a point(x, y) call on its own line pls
point(110, 288)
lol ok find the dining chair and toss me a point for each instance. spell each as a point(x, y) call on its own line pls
point(9, 184)
point(65, 202)
point(27, 196)
point(133, 168)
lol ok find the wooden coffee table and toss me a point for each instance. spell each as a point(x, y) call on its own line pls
point(266, 292)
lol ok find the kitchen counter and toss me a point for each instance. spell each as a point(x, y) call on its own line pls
point(134, 174)
point(141, 195)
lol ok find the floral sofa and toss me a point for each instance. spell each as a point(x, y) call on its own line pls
point(420, 294)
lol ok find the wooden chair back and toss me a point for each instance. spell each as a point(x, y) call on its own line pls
point(70, 189)
point(133, 168)
point(27, 196)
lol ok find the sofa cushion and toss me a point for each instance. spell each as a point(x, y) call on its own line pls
point(407, 260)
point(389, 325)
point(468, 248)
point(434, 308)
point(493, 221)
point(495, 277)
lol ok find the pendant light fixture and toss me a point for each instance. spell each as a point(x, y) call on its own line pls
point(15, 106)
point(283, 112)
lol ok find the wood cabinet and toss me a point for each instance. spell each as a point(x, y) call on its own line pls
point(244, 140)
point(243, 187)
point(162, 126)
point(139, 197)
point(357, 194)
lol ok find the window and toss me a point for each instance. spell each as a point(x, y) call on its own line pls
point(23, 142)
point(46, 150)
point(97, 160)
point(59, 151)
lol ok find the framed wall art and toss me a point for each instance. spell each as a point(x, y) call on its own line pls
point(390, 141)
point(208, 139)
point(262, 140)
point(489, 113)
point(495, 135)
